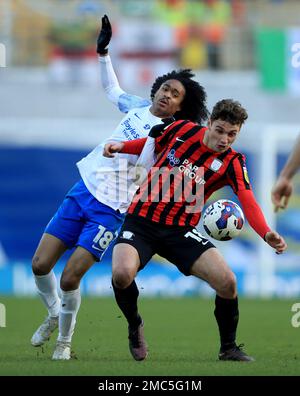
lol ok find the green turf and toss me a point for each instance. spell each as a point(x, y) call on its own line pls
point(181, 333)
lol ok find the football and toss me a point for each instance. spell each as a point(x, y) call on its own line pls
point(223, 220)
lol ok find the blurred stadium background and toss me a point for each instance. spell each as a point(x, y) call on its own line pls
point(53, 112)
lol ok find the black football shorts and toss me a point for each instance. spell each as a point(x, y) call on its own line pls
point(180, 245)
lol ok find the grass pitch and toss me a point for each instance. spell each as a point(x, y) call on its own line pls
point(181, 333)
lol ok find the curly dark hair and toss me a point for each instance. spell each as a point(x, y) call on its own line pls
point(229, 110)
point(193, 106)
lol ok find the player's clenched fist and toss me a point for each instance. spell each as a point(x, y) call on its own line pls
point(111, 148)
point(104, 36)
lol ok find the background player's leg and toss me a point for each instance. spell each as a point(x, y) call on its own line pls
point(78, 264)
point(49, 250)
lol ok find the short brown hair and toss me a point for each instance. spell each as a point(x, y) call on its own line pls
point(229, 110)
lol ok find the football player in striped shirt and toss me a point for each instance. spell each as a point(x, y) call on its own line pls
point(194, 162)
point(93, 210)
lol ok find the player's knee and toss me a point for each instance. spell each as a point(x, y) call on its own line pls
point(69, 281)
point(229, 287)
point(40, 266)
point(122, 278)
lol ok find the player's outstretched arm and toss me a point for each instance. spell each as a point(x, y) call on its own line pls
point(283, 187)
point(109, 80)
point(276, 241)
point(136, 146)
point(131, 147)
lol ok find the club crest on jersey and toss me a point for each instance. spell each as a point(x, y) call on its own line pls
point(173, 160)
point(216, 165)
point(127, 235)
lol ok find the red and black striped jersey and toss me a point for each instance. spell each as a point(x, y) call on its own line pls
point(185, 175)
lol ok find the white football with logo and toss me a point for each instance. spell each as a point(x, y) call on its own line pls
point(223, 220)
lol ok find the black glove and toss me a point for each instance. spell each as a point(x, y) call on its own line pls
point(158, 130)
point(104, 36)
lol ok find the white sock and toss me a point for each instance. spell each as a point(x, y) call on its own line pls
point(70, 303)
point(47, 289)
